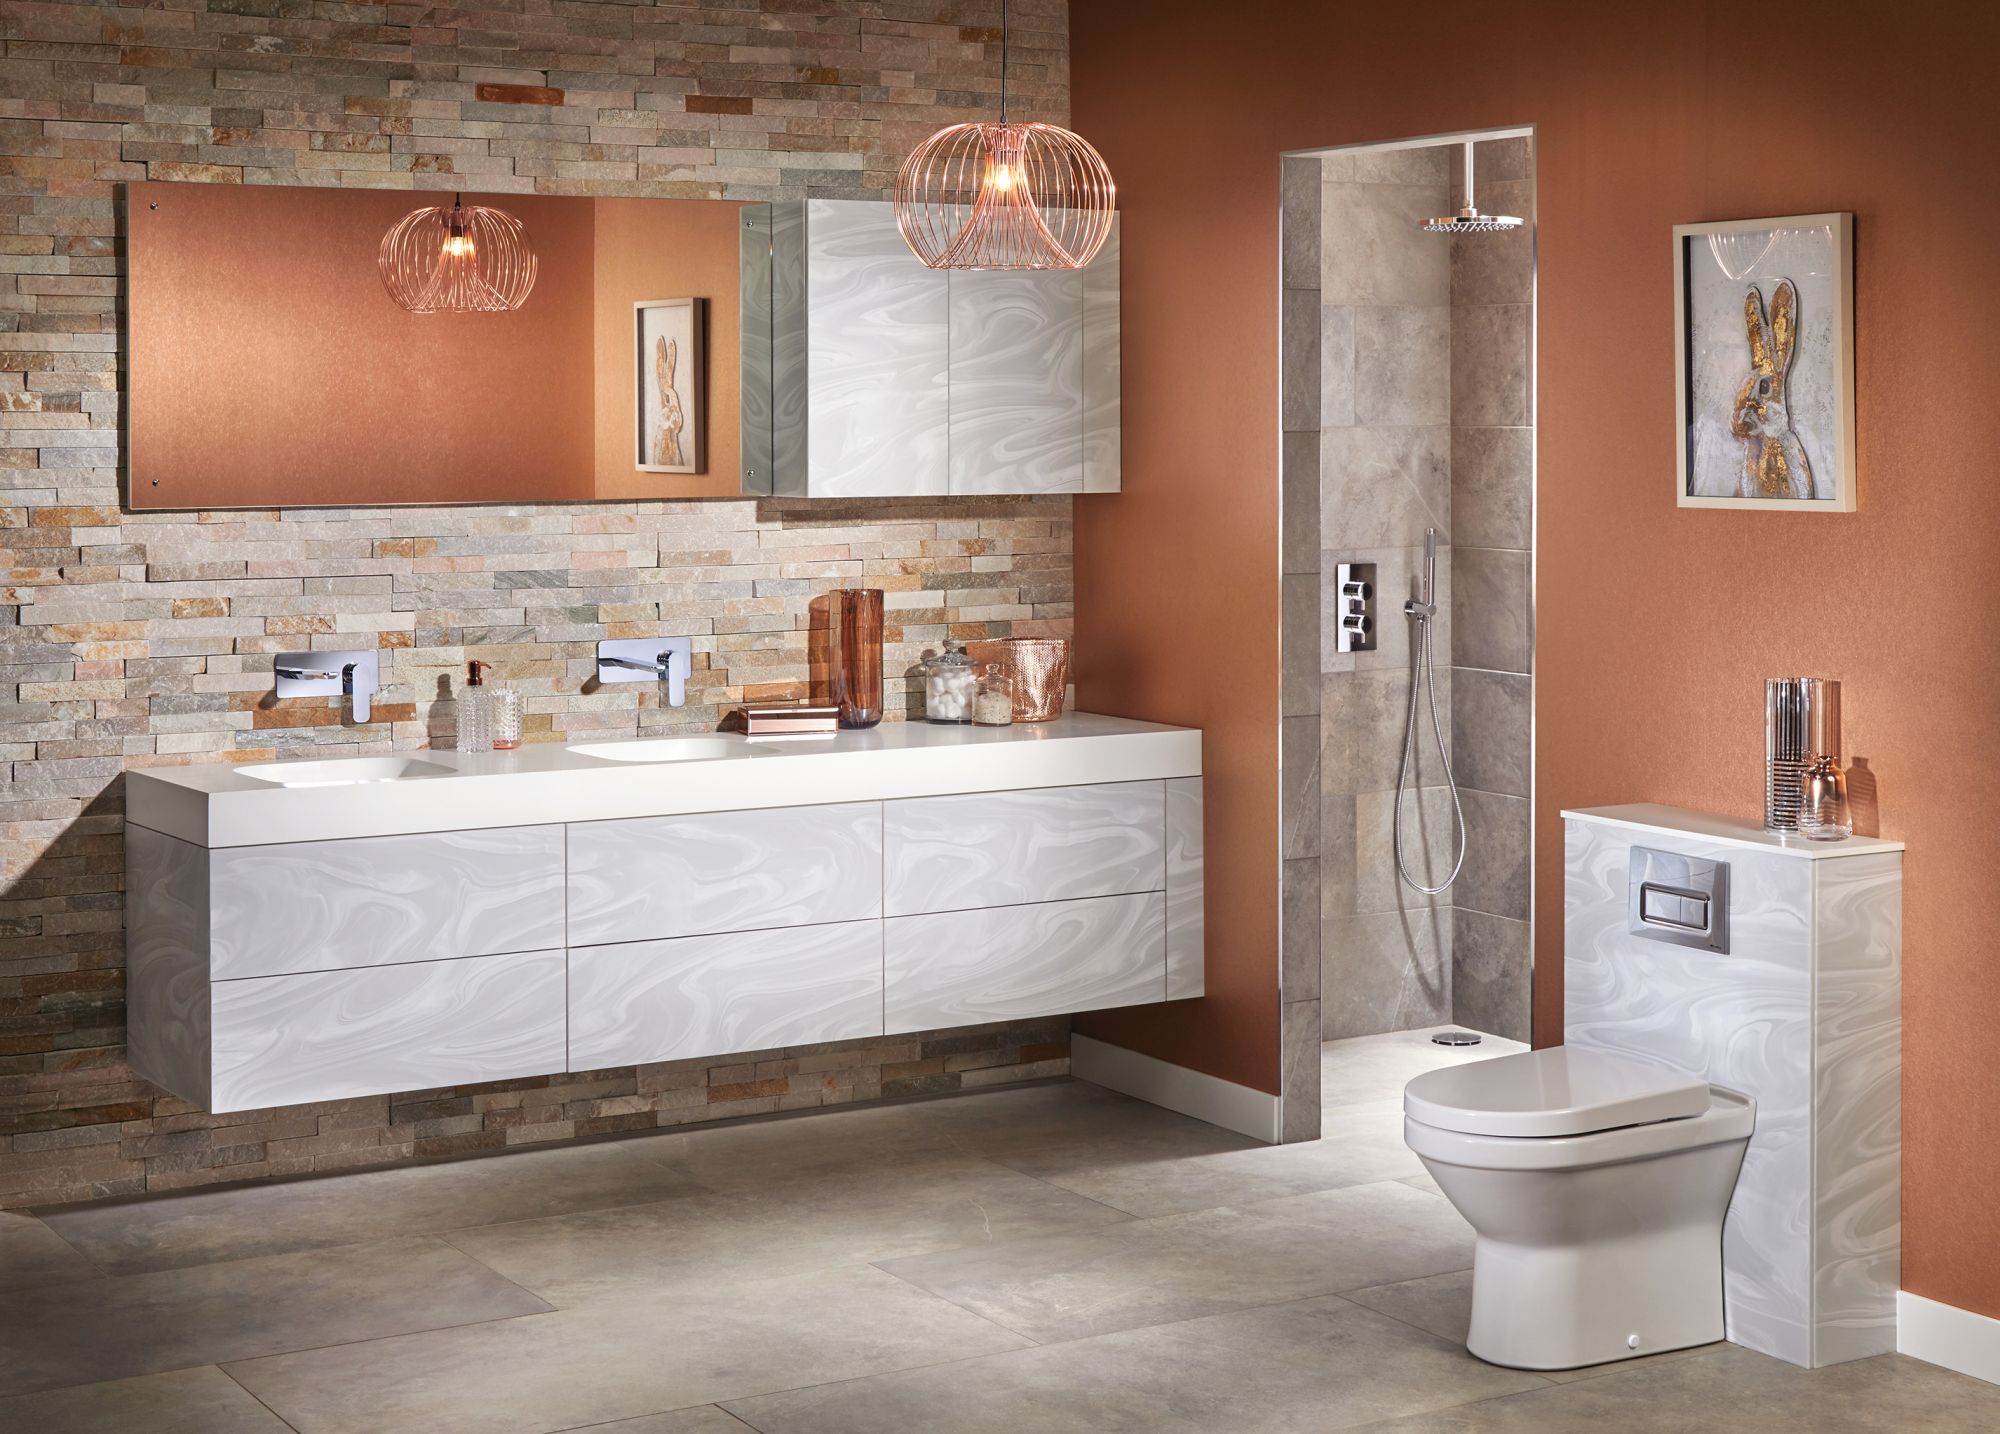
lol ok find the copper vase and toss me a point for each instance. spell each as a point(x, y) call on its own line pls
point(1039, 667)
point(856, 652)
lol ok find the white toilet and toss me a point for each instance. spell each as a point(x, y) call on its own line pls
point(1596, 1185)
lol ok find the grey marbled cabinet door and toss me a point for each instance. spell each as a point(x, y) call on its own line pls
point(1017, 381)
point(1005, 848)
point(877, 353)
point(706, 995)
point(652, 877)
point(378, 901)
point(1103, 407)
point(1186, 932)
point(332, 1035)
point(963, 968)
point(166, 962)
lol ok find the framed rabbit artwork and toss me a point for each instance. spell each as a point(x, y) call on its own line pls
point(1764, 361)
point(668, 367)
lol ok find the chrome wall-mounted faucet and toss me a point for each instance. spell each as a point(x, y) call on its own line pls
point(355, 675)
point(666, 660)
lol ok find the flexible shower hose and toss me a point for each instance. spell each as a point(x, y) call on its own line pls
point(1422, 675)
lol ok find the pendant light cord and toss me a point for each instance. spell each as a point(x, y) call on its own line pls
point(1004, 45)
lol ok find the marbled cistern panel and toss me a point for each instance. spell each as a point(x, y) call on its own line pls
point(1741, 1020)
point(1803, 1015)
point(166, 961)
point(878, 347)
point(1858, 1145)
point(329, 1035)
point(653, 877)
point(1186, 930)
point(1005, 848)
point(314, 906)
point(964, 967)
point(1016, 381)
point(740, 991)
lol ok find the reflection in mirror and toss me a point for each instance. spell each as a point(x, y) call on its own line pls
point(270, 366)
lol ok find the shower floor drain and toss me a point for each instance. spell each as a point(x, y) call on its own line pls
point(1455, 1038)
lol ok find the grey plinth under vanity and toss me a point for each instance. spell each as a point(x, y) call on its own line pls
point(293, 944)
point(1803, 1012)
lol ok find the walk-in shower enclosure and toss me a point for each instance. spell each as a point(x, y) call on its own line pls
point(1407, 403)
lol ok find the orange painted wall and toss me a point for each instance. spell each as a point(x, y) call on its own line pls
point(1656, 625)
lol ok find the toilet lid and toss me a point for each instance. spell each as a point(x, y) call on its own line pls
point(1559, 1091)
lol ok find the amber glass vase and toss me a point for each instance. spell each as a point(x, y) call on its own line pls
point(856, 653)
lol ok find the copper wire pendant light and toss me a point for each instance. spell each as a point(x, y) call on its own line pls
point(458, 259)
point(1005, 196)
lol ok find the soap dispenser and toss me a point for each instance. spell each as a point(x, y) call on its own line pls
point(489, 717)
point(475, 715)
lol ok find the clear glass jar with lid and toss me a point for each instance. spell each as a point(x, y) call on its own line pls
point(948, 685)
point(993, 697)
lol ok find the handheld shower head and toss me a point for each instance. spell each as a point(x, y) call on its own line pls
point(1423, 606)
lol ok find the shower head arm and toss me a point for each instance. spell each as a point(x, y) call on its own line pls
point(1471, 205)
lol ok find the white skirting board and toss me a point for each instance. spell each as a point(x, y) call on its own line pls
point(1205, 1097)
point(1946, 1335)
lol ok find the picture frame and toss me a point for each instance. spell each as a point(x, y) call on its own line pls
point(1764, 364)
point(669, 364)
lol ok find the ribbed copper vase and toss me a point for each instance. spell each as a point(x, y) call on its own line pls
point(1039, 667)
point(857, 655)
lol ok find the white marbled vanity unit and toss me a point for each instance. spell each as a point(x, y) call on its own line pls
point(1803, 1013)
point(296, 935)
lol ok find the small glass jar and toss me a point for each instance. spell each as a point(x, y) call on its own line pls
point(948, 685)
point(505, 706)
point(993, 698)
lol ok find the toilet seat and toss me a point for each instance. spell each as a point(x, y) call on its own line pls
point(1556, 1092)
point(1729, 1117)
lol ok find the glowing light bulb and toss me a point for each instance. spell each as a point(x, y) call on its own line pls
point(457, 246)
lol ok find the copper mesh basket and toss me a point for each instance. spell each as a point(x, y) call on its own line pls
point(1039, 667)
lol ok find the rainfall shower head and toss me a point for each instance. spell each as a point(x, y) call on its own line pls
point(1469, 220)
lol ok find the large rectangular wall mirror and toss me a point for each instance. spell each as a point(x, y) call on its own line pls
point(269, 366)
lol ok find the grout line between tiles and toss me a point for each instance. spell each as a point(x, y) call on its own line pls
point(254, 1395)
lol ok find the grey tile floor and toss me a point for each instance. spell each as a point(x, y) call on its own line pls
point(1052, 1257)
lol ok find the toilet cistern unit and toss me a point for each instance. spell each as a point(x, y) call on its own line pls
point(1596, 1185)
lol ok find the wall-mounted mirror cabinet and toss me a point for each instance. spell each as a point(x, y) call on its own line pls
point(867, 375)
point(269, 365)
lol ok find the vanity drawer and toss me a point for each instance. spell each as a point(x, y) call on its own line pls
point(964, 968)
point(378, 901)
point(1007, 848)
point(331, 1035)
point(739, 991)
point(654, 877)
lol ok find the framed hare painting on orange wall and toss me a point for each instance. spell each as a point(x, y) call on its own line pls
point(669, 358)
point(1764, 351)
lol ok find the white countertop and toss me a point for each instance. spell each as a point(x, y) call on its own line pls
point(214, 804)
point(1651, 817)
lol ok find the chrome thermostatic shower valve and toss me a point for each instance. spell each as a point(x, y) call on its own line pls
point(1354, 607)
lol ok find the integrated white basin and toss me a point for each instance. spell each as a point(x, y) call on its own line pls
point(669, 749)
point(343, 771)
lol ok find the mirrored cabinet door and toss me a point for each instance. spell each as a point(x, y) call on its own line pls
point(866, 374)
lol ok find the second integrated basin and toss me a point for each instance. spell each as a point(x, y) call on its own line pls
point(669, 749)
